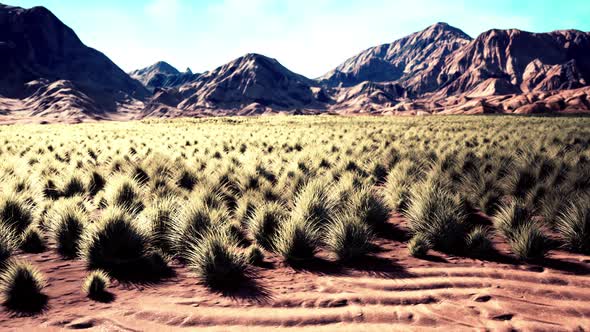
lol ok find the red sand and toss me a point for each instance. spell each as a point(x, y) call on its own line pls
point(391, 291)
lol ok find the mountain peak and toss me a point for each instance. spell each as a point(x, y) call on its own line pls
point(440, 28)
point(400, 60)
point(162, 75)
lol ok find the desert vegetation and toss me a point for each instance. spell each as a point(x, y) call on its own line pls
point(221, 195)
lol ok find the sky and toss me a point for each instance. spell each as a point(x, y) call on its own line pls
point(309, 37)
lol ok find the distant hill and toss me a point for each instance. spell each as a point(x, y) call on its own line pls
point(162, 75)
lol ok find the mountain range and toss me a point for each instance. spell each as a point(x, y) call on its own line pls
point(48, 75)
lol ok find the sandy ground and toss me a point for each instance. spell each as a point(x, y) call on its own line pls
point(389, 291)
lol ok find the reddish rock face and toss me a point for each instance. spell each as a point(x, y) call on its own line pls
point(527, 61)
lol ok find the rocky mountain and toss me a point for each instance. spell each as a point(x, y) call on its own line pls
point(514, 61)
point(250, 79)
point(43, 62)
point(403, 60)
point(48, 75)
point(162, 75)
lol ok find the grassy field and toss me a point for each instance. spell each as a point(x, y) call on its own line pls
point(221, 194)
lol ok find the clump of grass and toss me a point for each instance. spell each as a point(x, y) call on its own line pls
point(296, 240)
point(211, 196)
point(399, 182)
point(192, 222)
point(478, 241)
point(437, 215)
point(529, 242)
point(21, 287)
point(32, 241)
point(246, 206)
point(573, 226)
point(369, 207)
point(67, 222)
point(187, 179)
point(526, 239)
point(73, 186)
point(217, 261)
point(314, 204)
point(96, 182)
point(124, 192)
point(510, 217)
point(116, 243)
point(254, 255)
point(8, 243)
point(264, 223)
point(419, 245)
point(158, 218)
point(348, 237)
point(50, 189)
point(16, 212)
point(521, 181)
point(95, 285)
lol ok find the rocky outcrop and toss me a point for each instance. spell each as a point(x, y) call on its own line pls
point(526, 61)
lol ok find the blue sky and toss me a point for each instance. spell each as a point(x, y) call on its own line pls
point(307, 36)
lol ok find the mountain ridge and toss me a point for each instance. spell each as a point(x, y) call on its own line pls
point(49, 75)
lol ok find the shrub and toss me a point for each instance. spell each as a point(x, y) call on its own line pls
point(32, 241)
point(21, 287)
point(528, 242)
point(437, 215)
point(573, 226)
point(67, 222)
point(478, 241)
point(348, 237)
point(264, 223)
point(419, 245)
point(217, 261)
point(95, 285)
point(115, 243)
point(16, 212)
